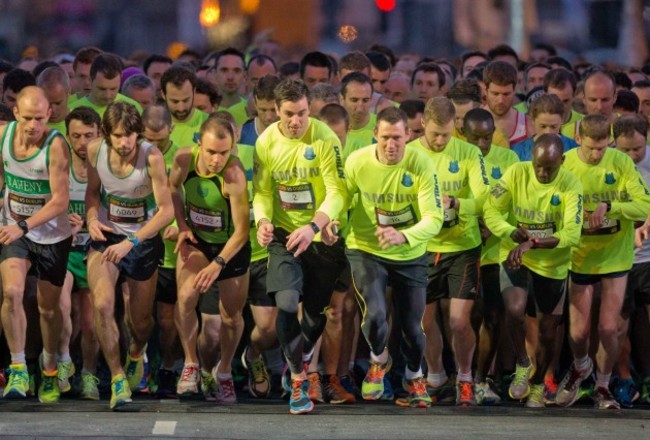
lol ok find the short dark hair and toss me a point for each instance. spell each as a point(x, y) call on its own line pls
point(177, 75)
point(558, 79)
point(86, 115)
point(502, 50)
point(5, 66)
point(107, 64)
point(53, 75)
point(412, 107)
point(290, 90)
point(561, 61)
point(355, 60)
point(265, 87)
point(40, 67)
point(155, 58)
point(85, 55)
point(138, 82)
point(474, 53)
point(17, 79)
point(531, 66)
point(643, 84)
point(477, 115)
point(623, 80)
point(156, 117)
point(385, 50)
point(595, 127)
point(230, 51)
point(628, 125)
point(288, 69)
point(379, 61)
point(124, 114)
point(430, 68)
point(315, 59)
point(550, 104)
point(549, 48)
point(356, 77)
point(220, 125)
point(627, 100)
point(500, 73)
point(205, 87)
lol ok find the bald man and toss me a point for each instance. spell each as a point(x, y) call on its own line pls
point(35, 235)
point(55, 83)
point(536, 210)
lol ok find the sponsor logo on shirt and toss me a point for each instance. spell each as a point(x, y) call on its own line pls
point(407, 181)
point(609, 178)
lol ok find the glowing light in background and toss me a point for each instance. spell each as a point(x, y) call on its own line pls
point(348, 33)
point(210, 13)
point(249, 7)
point(385, 5)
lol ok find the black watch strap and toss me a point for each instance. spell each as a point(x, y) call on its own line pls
point(220, 261)
point(609, 205)
point(22, 224)
point(314, 227)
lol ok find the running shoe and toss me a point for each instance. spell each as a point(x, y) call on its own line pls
point(625, 392)
point(465, 394)
point(550, 389)
point(66, 371)
point(603, 399)
point(49, 391)
point(347, 382)
point(188, 384)
point(89, 389)
point(143, 386)
point(315, 387)
point(259, 381)
point(485, 393)
point(208, 386)
point(120, 392)
point(334, 393)
point(445, 393)
point(134, 369)
point(372, 387)
point(567, 390)
point(299, 402)
point(417, 396)
point(536, 396)
point(645, 390)
point(18, 384)
point(520, 385)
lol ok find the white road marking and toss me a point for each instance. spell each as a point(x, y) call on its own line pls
point(164, 427)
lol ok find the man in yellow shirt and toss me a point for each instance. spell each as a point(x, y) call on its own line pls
point(456, 250)
point(536, 211)
point(615, 196)
point(299, 188)
point(398, 211)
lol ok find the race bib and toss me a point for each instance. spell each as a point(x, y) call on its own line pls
point(299, 197)
point(126, 211)
point(396, 219)
point(608, 227)
point(451, 218)
point(538, 230)
point(251, 214)
point(22, 207)
point(205, 219)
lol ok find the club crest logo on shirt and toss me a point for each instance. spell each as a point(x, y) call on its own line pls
point(309, 153)
point(555, 200)
point(407, 181)
point(196, 138)
point(609, 178)
point(496, 172)
point(453, 166)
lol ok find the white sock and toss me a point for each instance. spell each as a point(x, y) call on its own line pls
point(602, 380)
point(18, 358)
point(437, 379)
point(381, 359)
point(65, 357)
point(48, 359)
point(582, 363)
point(410, 375)
point(465, 377)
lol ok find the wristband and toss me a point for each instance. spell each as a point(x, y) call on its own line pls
point(314, 227)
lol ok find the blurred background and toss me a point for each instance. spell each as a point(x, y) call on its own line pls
point(595, 30)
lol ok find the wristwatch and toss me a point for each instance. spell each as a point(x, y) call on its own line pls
point(314, 227)
point(609, 205)
point(220, 261)
point(22, 224)
point(133, 239)
point(452, 202)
